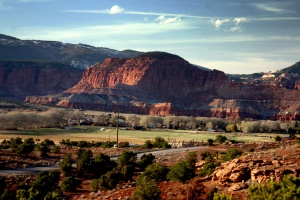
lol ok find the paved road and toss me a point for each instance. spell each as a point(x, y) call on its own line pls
point(34, 170)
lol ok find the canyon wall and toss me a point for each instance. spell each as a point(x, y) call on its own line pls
point(165, 84)
point(24, 78)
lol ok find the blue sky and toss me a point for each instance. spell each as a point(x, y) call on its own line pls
point(234, 36)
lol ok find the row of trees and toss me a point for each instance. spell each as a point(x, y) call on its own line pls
point(204, 123)
point(33, 120)
point(60, 118)
point(28, 145)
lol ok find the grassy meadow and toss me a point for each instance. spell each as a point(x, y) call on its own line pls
point(94, 133)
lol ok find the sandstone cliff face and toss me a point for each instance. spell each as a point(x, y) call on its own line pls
point(165, 84)
point(21, 78)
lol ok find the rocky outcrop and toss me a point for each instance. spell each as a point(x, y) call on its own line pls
point(258, 167)
point(164, 84)
point(23, 78)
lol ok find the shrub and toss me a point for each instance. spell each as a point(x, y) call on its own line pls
point(127, 172)
point(205, 154)
point(220, 139)
point(231, 128)
point(181, 171)
point(230, 154)
point(69, 184)
point(146, 160)
point(222, 197)
point(56, 149)
point(147, 190)
point(278, 138)
point(148, 144)
point(109, 180)
point(184, 170)
point(48, 142)
point(192, 158)
point(161, 143)
point(15, 143)
point(210, 142)
point(107, 144)
point(5, 144)
point(8, 195)
point(155, 172)
point(124, 144)
point(29, 141)
point(94, 184)
point(209, 166)
point(83, 144)
point(288, 188)
point(45, 182)
point(43, 149)
point(84, 163)
point(102, 164)
point(25, 149)
point(55, 195)
point(66, 165)
point(127, 158)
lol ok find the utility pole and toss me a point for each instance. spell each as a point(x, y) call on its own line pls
point(118, 130)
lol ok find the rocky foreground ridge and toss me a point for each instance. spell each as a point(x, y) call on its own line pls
point(164, 84)
point(272, 162)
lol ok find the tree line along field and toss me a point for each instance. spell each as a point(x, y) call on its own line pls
point(51, 124)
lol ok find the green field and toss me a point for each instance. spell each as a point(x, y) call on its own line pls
point(92, 133)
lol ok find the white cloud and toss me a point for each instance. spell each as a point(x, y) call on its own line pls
point(276, 19)
point(236, 29)
point(163, 20)
point(240, 20)
point(269, 8)
point(88, 33)
point(116, 10)
point(218, 23)
point(108, 11)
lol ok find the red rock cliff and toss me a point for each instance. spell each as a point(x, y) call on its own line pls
point(23, 78)
point(166, 84)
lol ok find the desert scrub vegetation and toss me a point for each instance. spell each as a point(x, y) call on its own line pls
point(231, 154)
point(27, 146)
point(221, 139)
point(210, 164)
point(146, 190)
point(278, 138)
point(155, 172)
point(83, 144)
point(210, 142)
point(70, 184)
point(65, 165)
point(45, 186)
point(184, 170)
point(288, 188)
